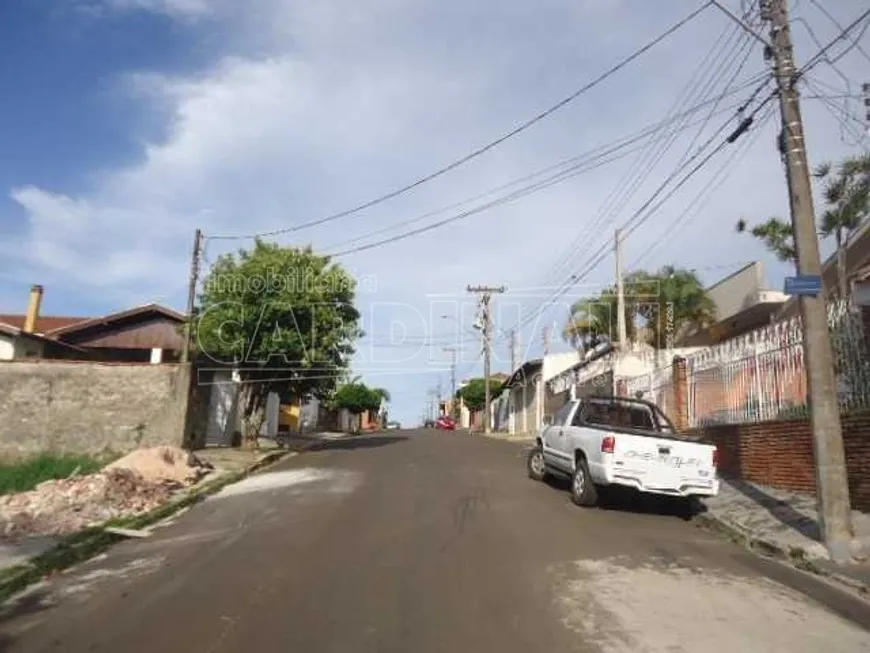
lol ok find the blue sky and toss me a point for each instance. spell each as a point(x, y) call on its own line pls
point(129, 123)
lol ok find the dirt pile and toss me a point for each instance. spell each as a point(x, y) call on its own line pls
point(71, 504)
point(163, 464)
point(137, 483)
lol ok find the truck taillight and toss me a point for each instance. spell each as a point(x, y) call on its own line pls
point(715, 456)
point(608, 443)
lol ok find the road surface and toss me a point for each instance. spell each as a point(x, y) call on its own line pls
point(417, 542)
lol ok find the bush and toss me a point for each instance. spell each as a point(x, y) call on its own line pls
point(25, 475)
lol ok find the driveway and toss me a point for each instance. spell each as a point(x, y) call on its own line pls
point(424, 541)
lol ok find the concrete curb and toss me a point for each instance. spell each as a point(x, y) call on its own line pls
point(84, 545)
point(769, 549)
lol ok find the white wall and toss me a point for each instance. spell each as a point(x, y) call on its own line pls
point(555, 364)
point(7, 348)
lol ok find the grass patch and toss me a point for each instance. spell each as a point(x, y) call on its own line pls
point(24, 475)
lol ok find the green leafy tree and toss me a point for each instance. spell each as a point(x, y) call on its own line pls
point(846, 194)
point(683, 305)
point(776, 234)
point(473, 394)
point(671, 298)
point(847, 200)
point(284, 318)
point(357, 398)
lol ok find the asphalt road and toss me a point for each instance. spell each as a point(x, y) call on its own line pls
point(416, 542)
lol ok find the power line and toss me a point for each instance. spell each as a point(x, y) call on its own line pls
point(626, 187)
point(489, 146)
point(822, 54)
point(558, 178)
point(571, 164)
point(639, 217)
point(839, 26)
point(701, 199)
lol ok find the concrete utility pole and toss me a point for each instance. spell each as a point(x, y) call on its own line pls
point(514, 348)
point(191, 294)
point(486, 293)
point(547, 340)
point(620, 293)
point(831, 482)
point(452, 351)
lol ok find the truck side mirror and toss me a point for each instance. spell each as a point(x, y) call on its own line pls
point(548, 420)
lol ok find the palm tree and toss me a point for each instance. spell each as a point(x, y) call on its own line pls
point(590, 322)
point(848, 202)
point(669, 301)
point(777, 235)
point(685, 305)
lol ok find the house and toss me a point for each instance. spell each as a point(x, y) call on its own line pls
point(743, 303)
point(143, 334)
point(529, 398)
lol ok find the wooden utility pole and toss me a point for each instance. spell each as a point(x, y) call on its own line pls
point(486, 293)
point(620, 293)
point(832, 488)
point(191, 294)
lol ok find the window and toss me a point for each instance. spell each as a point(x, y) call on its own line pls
point(639, 417)
point(561, 415)
point(619, 414)
point(598, 412)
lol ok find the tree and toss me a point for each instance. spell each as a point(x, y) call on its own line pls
point(847, 205)
point(473, 394)
point(847, 199)
point(357, 398)
point(593, 320)
point(686, 304)
point(669, 300)
point(777, 235)
point(284, 318)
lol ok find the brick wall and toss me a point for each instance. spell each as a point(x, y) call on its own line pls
point(780, 454)
point(90, 407)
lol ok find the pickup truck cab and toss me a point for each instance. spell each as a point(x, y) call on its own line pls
point(605, 441)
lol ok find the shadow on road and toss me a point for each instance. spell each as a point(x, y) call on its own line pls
point(356, 442)
point(618, 499)
point(32, 602)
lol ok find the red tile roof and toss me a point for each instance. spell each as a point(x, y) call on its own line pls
point(44, 323)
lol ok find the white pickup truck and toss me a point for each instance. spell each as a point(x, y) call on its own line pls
point(605, 441)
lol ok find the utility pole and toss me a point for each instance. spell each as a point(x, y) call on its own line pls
point(452, 351)
point(832, 488)
point(486, 293)
point(547, 339)
point(514, 348)
point(191, 294)
point(620, 293)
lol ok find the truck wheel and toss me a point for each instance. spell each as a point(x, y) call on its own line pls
point(583, 490)
point(535, 464)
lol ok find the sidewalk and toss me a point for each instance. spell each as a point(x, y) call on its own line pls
point(784, 525)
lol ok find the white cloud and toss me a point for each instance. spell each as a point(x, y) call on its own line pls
point(316, 107)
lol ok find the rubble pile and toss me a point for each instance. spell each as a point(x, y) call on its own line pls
point(164, 464)
point(137, 483)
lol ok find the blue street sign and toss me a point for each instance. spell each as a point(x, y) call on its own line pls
point(806, 284)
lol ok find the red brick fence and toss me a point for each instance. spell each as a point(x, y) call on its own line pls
point(779, 454)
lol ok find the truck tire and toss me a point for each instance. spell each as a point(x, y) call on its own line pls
point(583, 490)
point(535, 464)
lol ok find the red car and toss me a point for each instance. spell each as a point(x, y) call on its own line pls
point(446, 423)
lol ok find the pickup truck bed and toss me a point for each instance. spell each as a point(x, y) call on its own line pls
point(598, 451)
